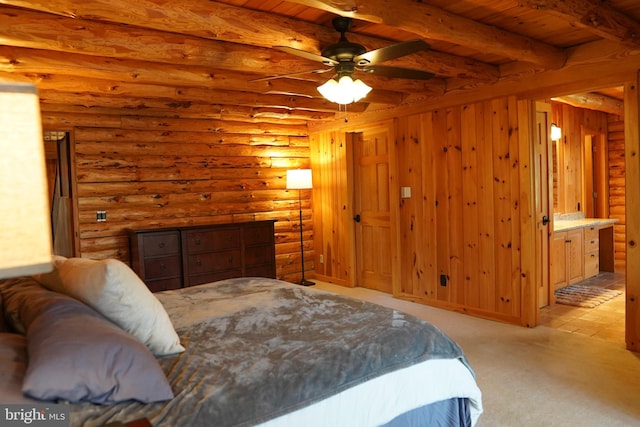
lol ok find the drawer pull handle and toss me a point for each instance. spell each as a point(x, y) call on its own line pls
point(161, 245)
point(230, 260)
point(198, 262)
point(163, 266)
point(568, 241)
point(197, 241)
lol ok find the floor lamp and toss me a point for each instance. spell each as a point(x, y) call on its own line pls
point(300, 179)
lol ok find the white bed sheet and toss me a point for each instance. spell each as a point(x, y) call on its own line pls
point(365, 405)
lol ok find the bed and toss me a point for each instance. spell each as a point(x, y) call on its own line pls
point(238, 352)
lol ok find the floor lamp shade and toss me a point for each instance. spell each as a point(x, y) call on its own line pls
point(300, 179)
point(25, 226)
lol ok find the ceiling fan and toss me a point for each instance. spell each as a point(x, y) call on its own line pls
point(345, 58)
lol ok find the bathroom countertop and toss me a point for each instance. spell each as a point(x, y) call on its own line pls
point(572, 224)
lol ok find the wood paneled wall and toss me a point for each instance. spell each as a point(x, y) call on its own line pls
point(148, 172)
point(617, 187)
point(332, 207)
point(469, 214)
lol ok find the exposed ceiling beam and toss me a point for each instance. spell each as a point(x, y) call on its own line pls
point(41, 62)
point(593, 101)
point(221, 22)
point(105, 89)
point(437, 24)
point(596, 16)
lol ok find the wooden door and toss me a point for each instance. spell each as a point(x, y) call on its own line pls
point(543, 192)
point(372, 209)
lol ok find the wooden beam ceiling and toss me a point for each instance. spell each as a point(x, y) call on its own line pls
point(205, 58)
point(596, 16)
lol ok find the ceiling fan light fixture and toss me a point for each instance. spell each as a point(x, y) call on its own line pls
point(345, 90)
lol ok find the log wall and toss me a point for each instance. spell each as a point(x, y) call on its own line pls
point(148, 172)
point(617, 203)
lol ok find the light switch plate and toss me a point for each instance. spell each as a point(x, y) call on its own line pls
point(405, 192)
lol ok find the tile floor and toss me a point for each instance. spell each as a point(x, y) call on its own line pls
point(605, 321)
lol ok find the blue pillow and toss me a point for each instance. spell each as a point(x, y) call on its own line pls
point(76, 355)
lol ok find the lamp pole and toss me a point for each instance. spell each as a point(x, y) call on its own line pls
point(303, 282)
point(300, 179)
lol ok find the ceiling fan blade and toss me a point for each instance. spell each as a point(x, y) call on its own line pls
point(398, 72)
point(299, 73)
point(307, 55)
point(393, 51)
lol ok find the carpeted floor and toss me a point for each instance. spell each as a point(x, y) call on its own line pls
point(584, 296)
point(535, 377)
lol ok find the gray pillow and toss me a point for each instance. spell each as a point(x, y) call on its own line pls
point(13, 364)
point(75, 354)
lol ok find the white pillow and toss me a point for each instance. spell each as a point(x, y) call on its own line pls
point(110, 287)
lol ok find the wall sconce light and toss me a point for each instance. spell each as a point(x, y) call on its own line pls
point(25, 225)
point(300, 179)
point(556, 132)
point(345, 90)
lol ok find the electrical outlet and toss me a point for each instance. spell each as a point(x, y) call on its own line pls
point(101, 216)
point(321, 259)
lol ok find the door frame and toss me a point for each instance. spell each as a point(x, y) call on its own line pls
point(544, 282)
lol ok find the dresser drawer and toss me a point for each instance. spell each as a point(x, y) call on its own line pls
point(162, 267)
point(212, 240)
point(210, 262)
point(264, 270)
point(213, 277)
point(164, 284)
point(259, 234)
point(255, 255)
point(157, 244)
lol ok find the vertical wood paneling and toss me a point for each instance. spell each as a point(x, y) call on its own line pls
point(529, 281)
point(412, 232)
point(632, 207)
point(516, 165)
point(471, 227)
point(443, 225)
point(463, 218)
point(502, 202)
point(457, 218)
point(426, 216)
point(486, 207)
point(333, 233)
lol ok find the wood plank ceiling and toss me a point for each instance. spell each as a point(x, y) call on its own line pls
point(199, 58)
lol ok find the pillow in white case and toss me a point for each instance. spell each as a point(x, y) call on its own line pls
point(110, 287)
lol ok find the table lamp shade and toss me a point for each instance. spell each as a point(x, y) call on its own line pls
point(25, 226)
point(299, 179)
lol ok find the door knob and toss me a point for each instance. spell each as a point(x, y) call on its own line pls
point(356, 218)
point(545, 220)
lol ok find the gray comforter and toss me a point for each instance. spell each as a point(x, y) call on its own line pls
point(259, 348)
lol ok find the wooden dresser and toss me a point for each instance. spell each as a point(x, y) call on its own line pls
point(171, 258)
